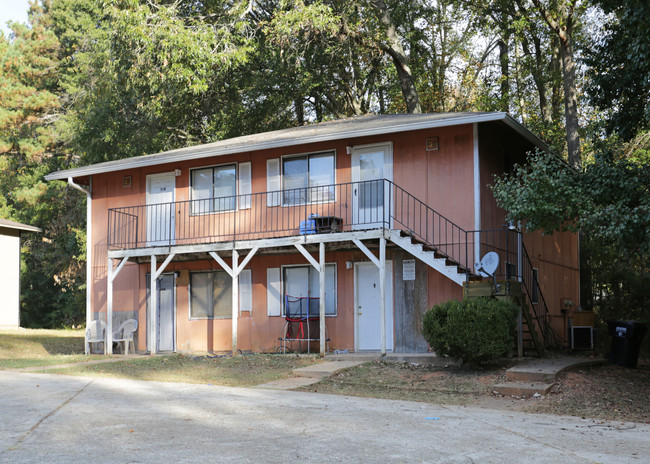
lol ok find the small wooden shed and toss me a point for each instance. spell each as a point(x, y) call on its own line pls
point(10, 232)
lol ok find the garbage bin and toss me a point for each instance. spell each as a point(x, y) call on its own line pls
point(626, 341)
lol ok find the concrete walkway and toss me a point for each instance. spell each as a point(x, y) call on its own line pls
point(309, 375)
point(76, 420)
point(537, 376)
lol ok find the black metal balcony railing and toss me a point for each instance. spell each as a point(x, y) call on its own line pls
point(345, 207)
point(327, 208)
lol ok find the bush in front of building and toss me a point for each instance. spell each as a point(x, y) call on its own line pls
point(476, 329)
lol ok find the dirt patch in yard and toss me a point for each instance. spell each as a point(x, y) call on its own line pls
point(605, 392)
point(407, 381)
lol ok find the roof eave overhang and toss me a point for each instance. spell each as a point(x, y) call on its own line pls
point(209, 150)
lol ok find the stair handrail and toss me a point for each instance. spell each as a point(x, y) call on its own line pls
point(543, 324)
point(455, 237)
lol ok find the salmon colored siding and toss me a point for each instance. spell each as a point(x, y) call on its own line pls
point(442, 179)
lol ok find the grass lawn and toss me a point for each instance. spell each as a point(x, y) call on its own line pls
point(35, 347)
point(237, 371)
point(41, 347)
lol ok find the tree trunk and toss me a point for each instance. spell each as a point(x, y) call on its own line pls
point(570, 99)
point(564, 33)
point(394, 49)
point(505, 75)
point(518, 80)
point(545, 108)
point(556, 95)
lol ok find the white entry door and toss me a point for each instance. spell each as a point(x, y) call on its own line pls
point(160, 209)
point(367, 295)
point(370, 194)
point(165, 313)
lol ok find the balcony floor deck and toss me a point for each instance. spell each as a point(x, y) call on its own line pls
point(337, 241)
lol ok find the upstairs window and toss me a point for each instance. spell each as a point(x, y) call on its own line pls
point(308, 178)
point(214, 189)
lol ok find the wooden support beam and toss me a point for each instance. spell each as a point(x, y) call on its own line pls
point(309, 257)
point(162, 267)
point(109, 308)
point(235, 301)
point(153, 308)
point(222, 263)
point(247, 259)
point(367, 252)
point(382, 292)
point(321, 280)
point(112, 274)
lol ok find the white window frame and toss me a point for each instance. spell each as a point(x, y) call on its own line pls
point(283, 283)
point(240, 201)
point(307, 155)
point(213, 317)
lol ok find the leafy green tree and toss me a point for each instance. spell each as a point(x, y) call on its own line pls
point(52, 271)
point(151, 80)
point(619, 67)
point(608, 203)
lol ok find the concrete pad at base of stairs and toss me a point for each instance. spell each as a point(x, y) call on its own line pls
point(523, 389)
point(546, 369)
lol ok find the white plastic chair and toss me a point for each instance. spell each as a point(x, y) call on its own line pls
point(95, 333)
point(125, 334)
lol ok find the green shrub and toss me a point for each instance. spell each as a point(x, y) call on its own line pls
point(476, 329)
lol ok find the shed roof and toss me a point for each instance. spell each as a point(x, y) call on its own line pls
point(358, 126)
point(7, 224)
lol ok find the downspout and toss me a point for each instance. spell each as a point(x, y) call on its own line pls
point(89, 228)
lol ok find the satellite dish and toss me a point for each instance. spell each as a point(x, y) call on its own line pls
point(488, 264)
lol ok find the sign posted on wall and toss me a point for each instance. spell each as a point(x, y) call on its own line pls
point(408, 269)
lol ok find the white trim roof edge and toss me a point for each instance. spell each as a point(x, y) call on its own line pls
point(7, 224)
point(238, 144)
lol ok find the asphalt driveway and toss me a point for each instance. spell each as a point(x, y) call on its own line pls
point(59, 419)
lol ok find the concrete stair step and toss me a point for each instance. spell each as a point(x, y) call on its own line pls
point(523, 388)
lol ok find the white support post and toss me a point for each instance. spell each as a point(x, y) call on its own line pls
point(153, 308)
point(382, 292)
point(109, 309)
point(112, 274)
point(235, 301)
point(321, 280)
point(153, 300)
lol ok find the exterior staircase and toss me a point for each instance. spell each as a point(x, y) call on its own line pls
point(430, 256)
point(513, 292)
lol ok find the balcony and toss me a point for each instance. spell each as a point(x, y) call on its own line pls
point(327, 209)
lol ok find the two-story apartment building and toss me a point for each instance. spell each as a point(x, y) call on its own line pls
point(364, 223)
